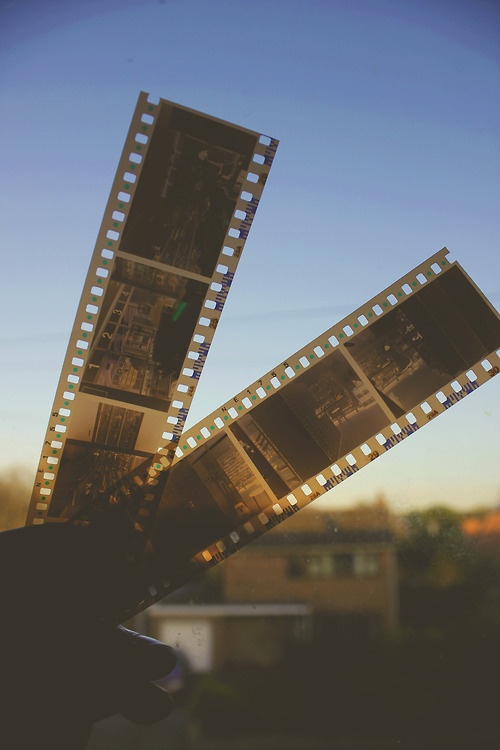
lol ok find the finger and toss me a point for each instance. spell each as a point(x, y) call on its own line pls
point(146, 658)
point(126, 663)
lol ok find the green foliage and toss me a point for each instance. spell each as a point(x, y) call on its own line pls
point(445, 584)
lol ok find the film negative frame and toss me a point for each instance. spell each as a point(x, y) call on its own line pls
point(102, 262)
point(349, 464)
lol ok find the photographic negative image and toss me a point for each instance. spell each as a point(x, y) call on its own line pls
point(187, 191)
point(87, 476)
point(418, 347)
point(108, 442)
point(145, 327)
point(309, 423)
point(206, 495)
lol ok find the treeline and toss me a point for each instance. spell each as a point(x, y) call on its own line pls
point(449, 580)
point(15, 492)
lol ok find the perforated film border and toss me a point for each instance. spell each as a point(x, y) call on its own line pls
point(346, 466)
point(349, 464)
point(306, 357)
point(101, 265)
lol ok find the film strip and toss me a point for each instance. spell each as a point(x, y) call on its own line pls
point(180, 209)
point(331, 408)
point(182, 203)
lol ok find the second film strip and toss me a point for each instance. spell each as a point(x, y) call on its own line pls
point(352, 394)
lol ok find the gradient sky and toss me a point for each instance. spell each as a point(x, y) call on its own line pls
point(388, 117)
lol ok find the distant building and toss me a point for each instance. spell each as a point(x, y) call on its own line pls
point(343, 565)
point(320, 575)
point(212, 636)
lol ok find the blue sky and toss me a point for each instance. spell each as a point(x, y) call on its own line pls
point(388, 118)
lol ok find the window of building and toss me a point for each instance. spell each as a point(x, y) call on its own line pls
point(366, 564)
point(336, 565)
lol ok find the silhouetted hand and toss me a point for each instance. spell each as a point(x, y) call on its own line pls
point(63, 663)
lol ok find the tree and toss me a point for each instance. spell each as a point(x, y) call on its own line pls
point(445, 583)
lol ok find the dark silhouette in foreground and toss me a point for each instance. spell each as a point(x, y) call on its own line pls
point(64, 664)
